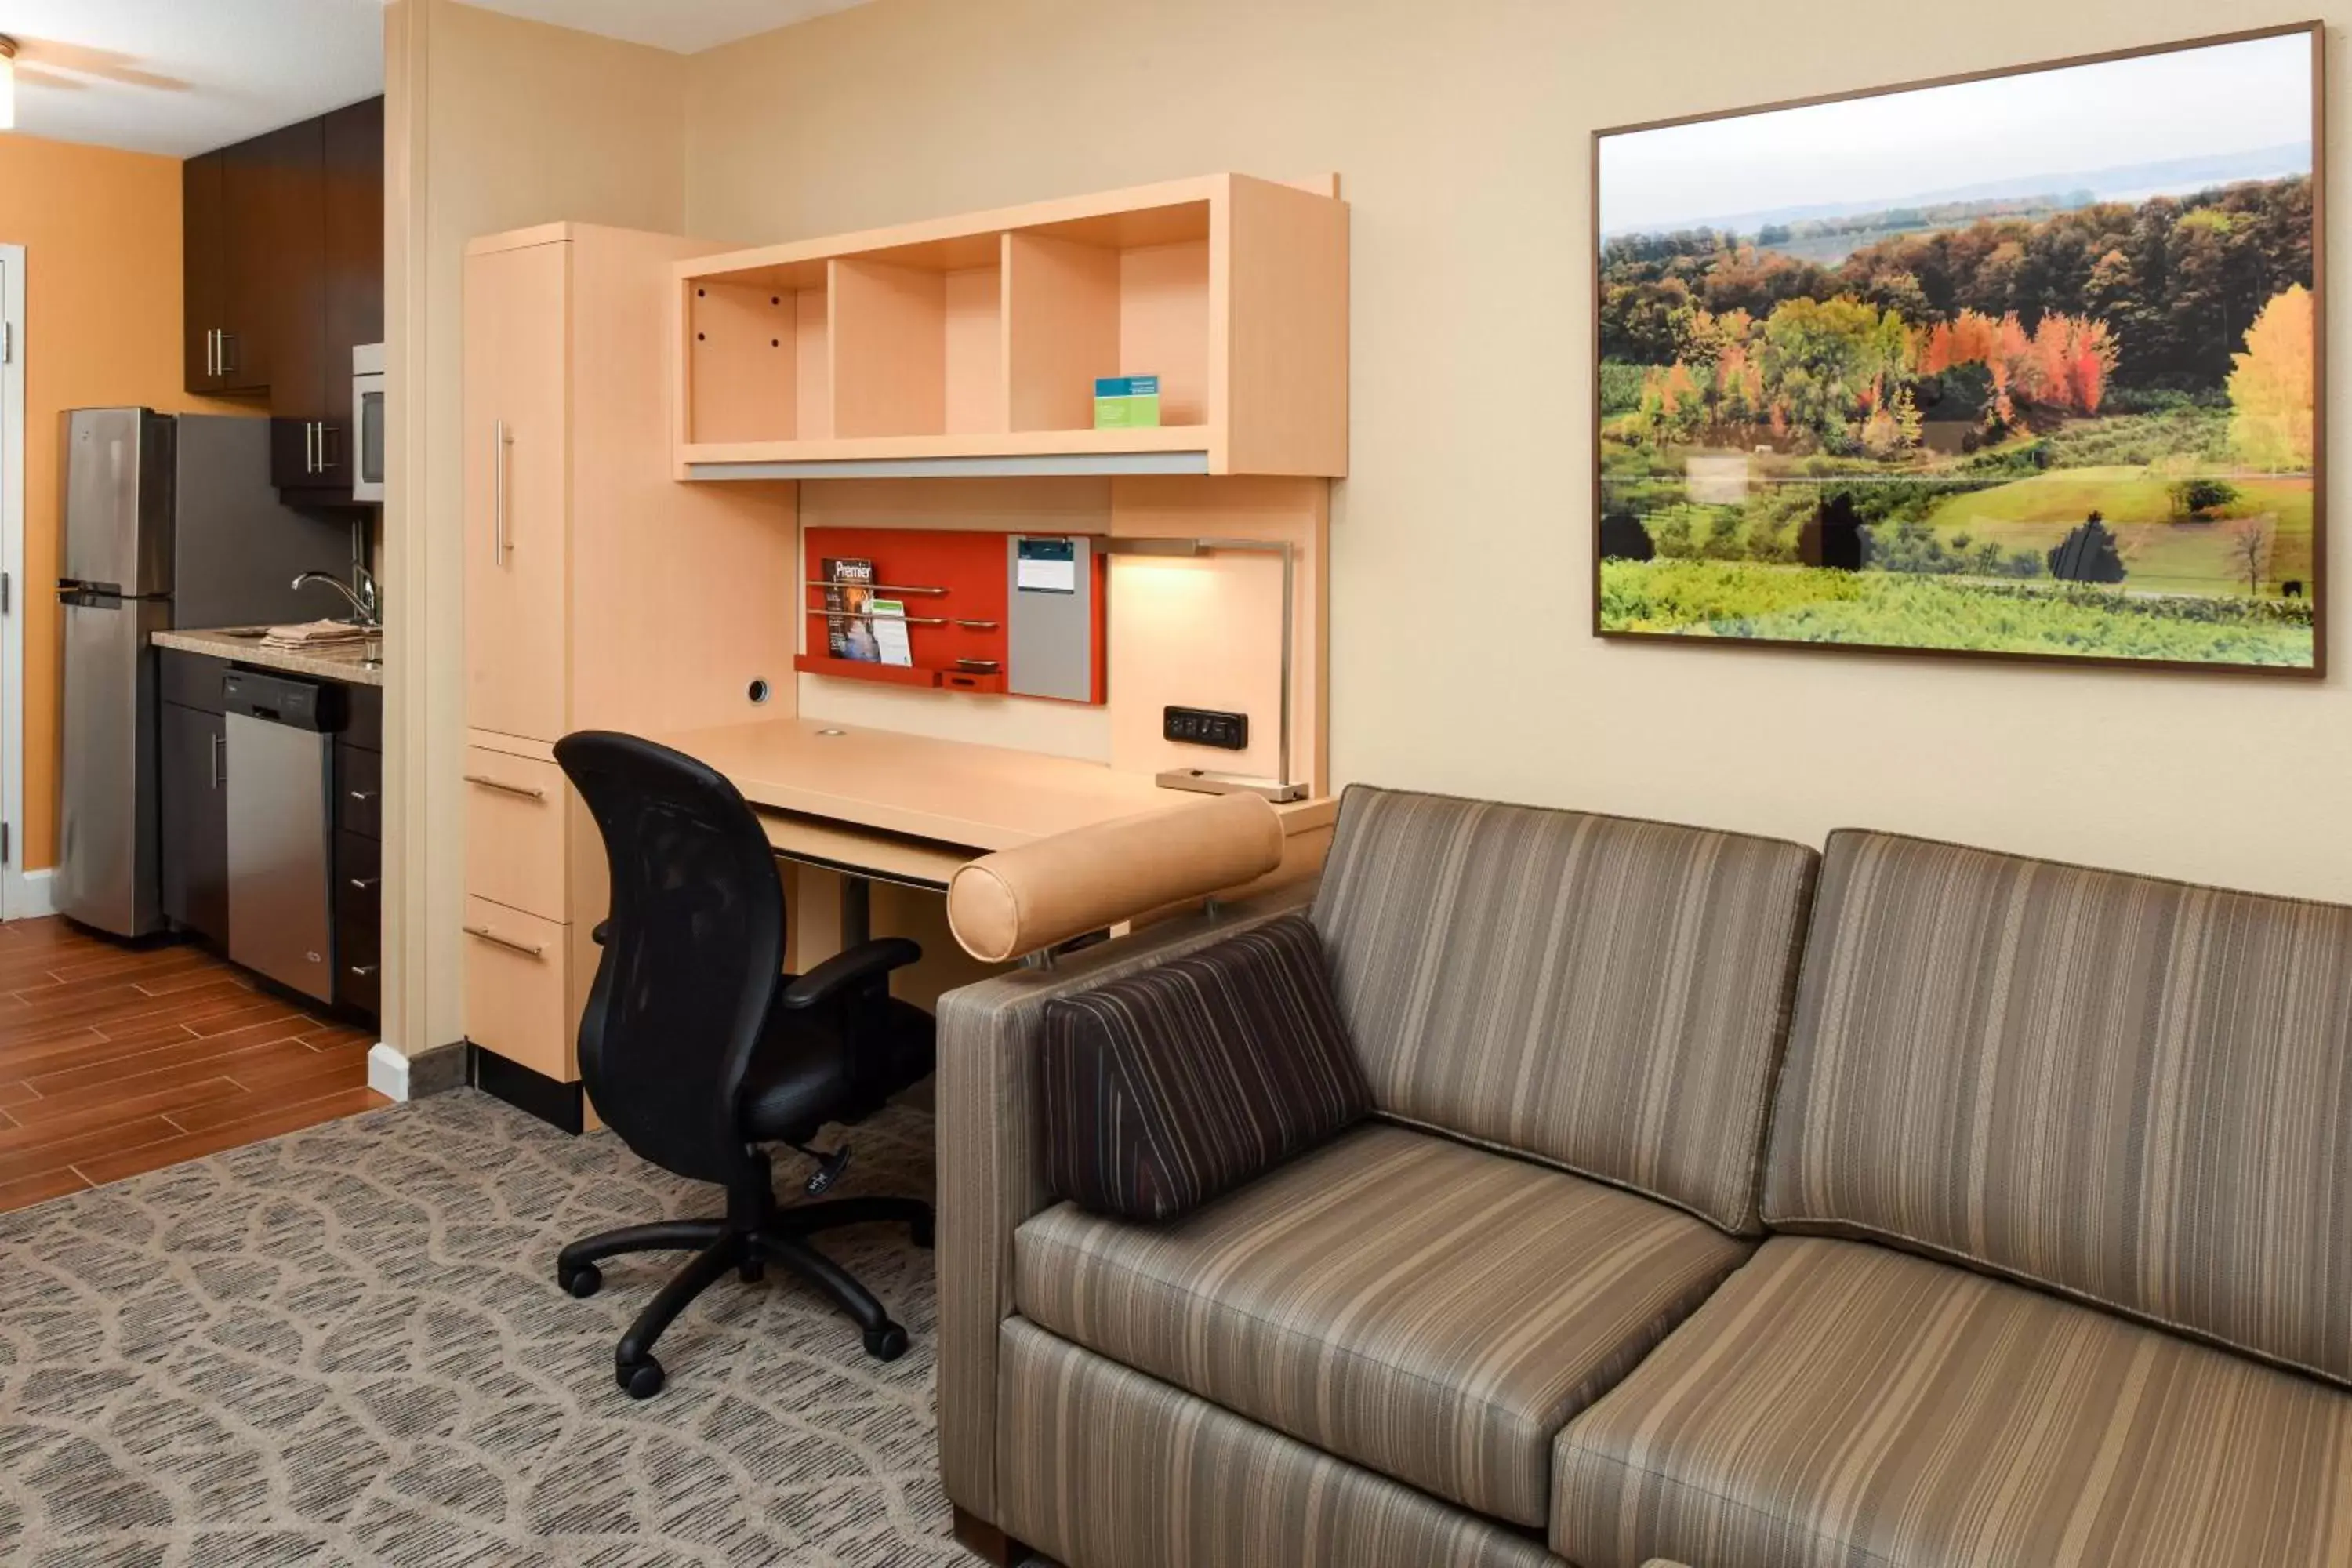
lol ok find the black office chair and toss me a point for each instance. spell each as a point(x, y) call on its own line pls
point(697, 1049)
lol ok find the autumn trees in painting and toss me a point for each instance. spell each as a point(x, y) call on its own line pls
point(2062, 403)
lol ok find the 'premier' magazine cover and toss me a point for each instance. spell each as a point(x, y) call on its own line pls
point(848, 601)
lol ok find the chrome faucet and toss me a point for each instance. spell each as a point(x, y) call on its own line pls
point(366, 603)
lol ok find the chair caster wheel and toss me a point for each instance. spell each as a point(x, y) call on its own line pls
point(887, 1343)
point(922, 1232)
point(640, 1380)
point(583, 1281)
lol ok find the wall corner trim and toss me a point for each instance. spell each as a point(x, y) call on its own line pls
point(30, 894)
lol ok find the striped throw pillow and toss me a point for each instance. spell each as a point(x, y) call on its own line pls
point(1166, 1087)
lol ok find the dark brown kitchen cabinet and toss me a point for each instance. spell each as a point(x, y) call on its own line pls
point(228, 197)
point(193, 795)
point(354, 274)
point(284, 277)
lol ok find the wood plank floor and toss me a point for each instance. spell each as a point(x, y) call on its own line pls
point(116, 1060)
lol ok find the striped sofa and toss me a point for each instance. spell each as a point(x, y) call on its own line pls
point(1976, 1211)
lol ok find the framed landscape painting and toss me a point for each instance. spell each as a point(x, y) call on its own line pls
point(2022, 365)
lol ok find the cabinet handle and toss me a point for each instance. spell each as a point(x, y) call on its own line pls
point(498, 482)
point(310, 445)
point(362, 796)
point(502, 786)
point(363, 970)
point(211, 350)
point(227, 338)
point(529, 949)
point(219, 743)
point(361, 884)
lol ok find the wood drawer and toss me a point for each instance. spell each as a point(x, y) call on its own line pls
point(359, 922)
point(518, 990)
point(515, 808)
point(359, 791)
point(191, 679)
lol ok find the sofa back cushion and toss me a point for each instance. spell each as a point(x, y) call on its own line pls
point(1606, 994)
point(1167, 1087)
point(2132, 1091)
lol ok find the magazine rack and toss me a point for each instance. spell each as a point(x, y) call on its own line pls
point(953, 584)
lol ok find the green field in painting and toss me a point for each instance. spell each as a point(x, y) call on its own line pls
point(1804, 604)
point(2165, 554)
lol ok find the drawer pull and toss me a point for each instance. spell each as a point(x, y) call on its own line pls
point(361, 884)
point(526, 790)
point(362, 971)
point(362, 796)
point(529, 949)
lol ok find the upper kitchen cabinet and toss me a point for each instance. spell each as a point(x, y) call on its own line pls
point(284, 276)
point(226, 268)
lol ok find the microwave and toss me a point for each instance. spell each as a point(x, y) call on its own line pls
point(368, 415)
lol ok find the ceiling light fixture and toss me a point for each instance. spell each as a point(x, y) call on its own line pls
point(7, 83)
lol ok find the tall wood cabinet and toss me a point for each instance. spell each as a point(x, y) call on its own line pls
point(600, 593)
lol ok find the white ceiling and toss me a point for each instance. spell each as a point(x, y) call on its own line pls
point(684, 27)
point(184, 75)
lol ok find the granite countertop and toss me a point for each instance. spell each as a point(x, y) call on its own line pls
point(353, 663)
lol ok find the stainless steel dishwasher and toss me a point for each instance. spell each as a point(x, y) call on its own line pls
point(281, 826)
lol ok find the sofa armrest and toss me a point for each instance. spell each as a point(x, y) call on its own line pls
point(992, 1162)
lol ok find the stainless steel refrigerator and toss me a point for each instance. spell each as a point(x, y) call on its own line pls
point(169, 521)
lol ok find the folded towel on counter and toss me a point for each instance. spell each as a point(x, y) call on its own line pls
point(317, 634)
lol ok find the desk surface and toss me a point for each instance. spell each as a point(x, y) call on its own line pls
point(952, 791)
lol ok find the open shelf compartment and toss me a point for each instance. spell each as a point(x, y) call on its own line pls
point(962, 339)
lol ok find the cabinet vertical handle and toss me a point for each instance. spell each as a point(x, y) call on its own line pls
point(499, 481)
point(211, 358)
point(227, 338)
point(310, 445)
point(218, 741)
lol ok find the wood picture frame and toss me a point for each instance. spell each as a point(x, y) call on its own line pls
point(1889, 465)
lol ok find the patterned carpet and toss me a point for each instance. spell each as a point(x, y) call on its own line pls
point(346, 1346)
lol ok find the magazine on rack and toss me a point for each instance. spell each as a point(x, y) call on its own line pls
point(848, 603)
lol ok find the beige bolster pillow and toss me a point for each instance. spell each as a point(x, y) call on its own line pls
point(1018, 900)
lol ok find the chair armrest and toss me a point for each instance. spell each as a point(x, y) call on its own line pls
point(992, 1162)
point(866, 962)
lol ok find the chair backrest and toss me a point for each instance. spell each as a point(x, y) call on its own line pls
point(693, 957)
point(1606, 994)
point(2134, 1091)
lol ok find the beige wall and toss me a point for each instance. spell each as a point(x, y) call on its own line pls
point(493, 124)
point(100, 230)
point(1461, 131)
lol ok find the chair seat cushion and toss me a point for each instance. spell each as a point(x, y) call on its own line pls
point(1169, 1086)
point(1428, 1310)
point(1837, 1403)
point(799, 1077)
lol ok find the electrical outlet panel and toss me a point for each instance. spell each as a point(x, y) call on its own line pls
point(1206, 727)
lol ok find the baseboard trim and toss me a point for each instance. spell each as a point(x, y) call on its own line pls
point(30, 894)
point(387, 1071)
point(559, 1104)
point(398, 1077)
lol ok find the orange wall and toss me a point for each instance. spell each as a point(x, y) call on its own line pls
point(101, 235)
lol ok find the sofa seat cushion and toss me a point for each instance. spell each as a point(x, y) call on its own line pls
point(1430, 1310)
point(1839, 1405)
